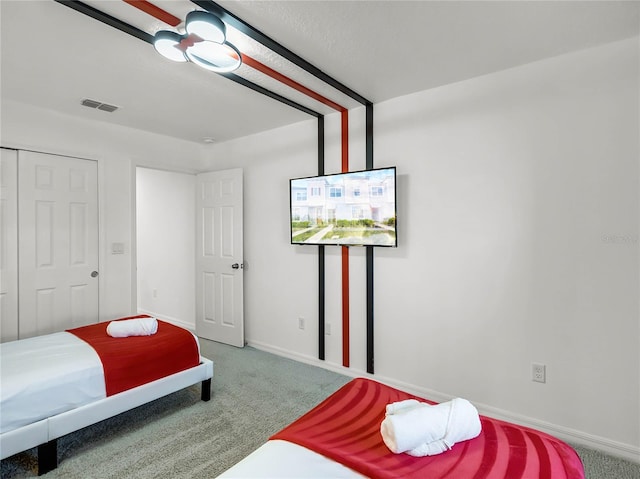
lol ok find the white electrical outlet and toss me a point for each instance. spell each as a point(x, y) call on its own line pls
point(301, 323)
point(538, 372)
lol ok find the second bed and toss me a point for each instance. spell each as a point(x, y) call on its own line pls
point(58, 383)
point(341, 438)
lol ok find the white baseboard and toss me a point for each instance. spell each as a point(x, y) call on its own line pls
point(572, 436)
point(178, 322)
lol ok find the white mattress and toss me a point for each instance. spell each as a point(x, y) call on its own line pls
point(47, 375)
point(286, 460)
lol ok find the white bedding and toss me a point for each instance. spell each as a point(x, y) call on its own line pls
point(286, 460)
point(57, 383)
point(47, 375)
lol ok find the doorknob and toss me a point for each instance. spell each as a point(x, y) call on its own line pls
point(94, 274)
point(236, 266)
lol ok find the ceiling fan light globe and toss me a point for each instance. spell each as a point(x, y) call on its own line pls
point(216, 57)
point(206, 26)
point(166, 44)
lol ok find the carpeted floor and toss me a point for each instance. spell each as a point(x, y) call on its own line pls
point(255, 394)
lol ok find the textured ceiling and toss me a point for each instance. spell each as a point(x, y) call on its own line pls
point(53, 56)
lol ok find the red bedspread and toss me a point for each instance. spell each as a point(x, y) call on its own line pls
point(346, 428)
point(136, 360)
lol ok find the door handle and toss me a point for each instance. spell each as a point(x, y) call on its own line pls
point(94, 274)
point(237, 266)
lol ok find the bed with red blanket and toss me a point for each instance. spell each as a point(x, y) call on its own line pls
point(58, 383)
point(340, 438)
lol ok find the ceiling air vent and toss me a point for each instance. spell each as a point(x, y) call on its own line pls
point(99, 105)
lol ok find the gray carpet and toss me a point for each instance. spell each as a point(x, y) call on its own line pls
point(255, 394)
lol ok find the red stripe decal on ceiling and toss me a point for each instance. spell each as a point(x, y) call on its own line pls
point(261, 67)
point(157, 12)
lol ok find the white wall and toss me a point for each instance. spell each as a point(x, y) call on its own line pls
point(118, 150)
point(515, 183)
point(518, 238)
point(276, 275)
point(518, 243)
point(166, 228)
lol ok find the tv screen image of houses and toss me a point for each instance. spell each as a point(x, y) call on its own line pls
point(349, 209)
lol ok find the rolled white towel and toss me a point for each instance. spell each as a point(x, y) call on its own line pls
point(410, 428)
point(132, 327)
point(464, 422)
point(428, 430)
point(403, 406)
point(429, 449)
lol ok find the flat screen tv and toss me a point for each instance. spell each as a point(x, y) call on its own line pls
point(346, 209)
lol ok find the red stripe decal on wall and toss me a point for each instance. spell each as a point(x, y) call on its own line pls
point(345, 141)
point(157, 12)
point(345, 251)
point(344, 117)
point(345, 306)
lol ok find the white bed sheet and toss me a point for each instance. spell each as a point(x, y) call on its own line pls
point(286, 460)
point(47, 375)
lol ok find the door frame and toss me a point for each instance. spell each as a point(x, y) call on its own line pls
point(134, 231)
point(139, 307)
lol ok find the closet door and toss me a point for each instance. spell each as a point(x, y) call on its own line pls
point(58, 243)
point(8, 245)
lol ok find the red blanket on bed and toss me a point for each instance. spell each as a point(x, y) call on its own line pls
point(346, 428)
point(136, 360)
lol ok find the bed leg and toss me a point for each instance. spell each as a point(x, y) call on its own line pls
point(47, 457)
point(206, 390)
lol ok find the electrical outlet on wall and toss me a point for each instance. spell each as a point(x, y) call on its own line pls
point(538, 372)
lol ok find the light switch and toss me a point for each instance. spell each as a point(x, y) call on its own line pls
point(117, 248)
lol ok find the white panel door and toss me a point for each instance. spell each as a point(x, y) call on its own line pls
point(219, 256)
point(58, 243)
point(8, 245)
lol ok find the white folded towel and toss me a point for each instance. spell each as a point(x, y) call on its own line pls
point(425, 430)
point(403, 406)
point(132, 327)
